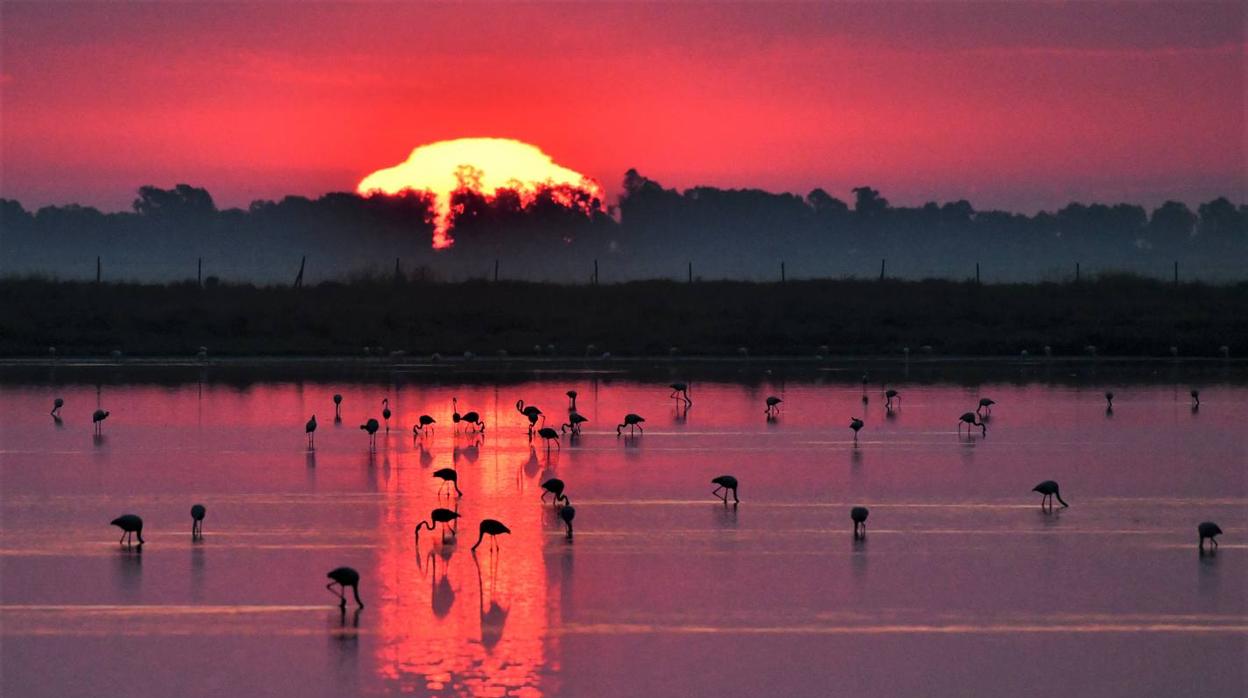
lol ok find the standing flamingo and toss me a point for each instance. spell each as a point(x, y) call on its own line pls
point(371, 426)
point(1049, 489)
point(985, 403)
point(859, 516)
point(773, 406)
point(1109, 401)
point(448, 476)
point(725, 483)
point(310, 430)
point(575, 420)
point(130, 525)
point(554, 486)
point(567, 513)
point(437, 517)
point(97, 418)
point(423, 423)
point(680, 391)
point(571, 400)
point(1208, 529)
point(455, 417)
point(889, 396)
point(855, 424)
point(345, 577)
point(532, 412)
point(57, 404)
point(337, 407)
point(969, 418)
point(385, 412)
point(197, 521)
point(491, 528)
point(1195, 398)
point(632, 421)
point(533, 423)
point(548, 435)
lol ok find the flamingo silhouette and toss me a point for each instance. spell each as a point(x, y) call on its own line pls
point(421, 424)
point(310, 430)
point(1195, 398)
point(575, 420)
point(97, 418)
point(548, 435)
point(773, 406)
point(1109, 401)
point(1049, 489)
point(567, 513)
point(571, 400)
point(632, 421)
point(197, 521)
point(131, 525)
point(969, 418)
point(437, 517)
point(680, 391)
point(345, 577)
point(1208, 529)
point(57, 404)
point(491, 528)
point(554, 486)
point(725, 483)
point(448, 476)
point(337, 407)
point(985, 403)
point(889, 396)
point(855, 424)
point(455, 416)
point(533, 423)
point(532, 412)
point(385, 412)
point(371, 426)
point(859, 516)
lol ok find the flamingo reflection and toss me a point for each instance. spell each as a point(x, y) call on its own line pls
point(493, 620)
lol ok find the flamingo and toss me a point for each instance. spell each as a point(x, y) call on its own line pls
point(532, 412)
point(1208, 529)
point(491, 528)
point(1048, 488)
point(1195, 398)
point(889, 396)
point(554, 486)
point(571, 400)
point(855, 424)
point(130, 525)
point(474, 419)
point(424, 421)
point(310, 430)
point(385, 412)
point(437, 517)
point(57, 404)
point(371, 426)
point(985, 403)
point(455, 418)
point(533, 422)
point(575, 420)
point(632, 421)
point(548, 435)
point(337, 406)
point(197, 520)
point(725, 483)
point(773, 406)
point(97, 418)
point(680, 391)
point(345, 577)
point(969, 418)
point(859, 516)
point(448, 476)
point(567, 513)
point(1109, 401)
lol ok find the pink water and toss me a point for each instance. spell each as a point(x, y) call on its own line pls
point(962, 586)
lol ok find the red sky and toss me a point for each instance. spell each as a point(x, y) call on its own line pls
point(1021, 105)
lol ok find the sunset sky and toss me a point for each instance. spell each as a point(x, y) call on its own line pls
point(1015, 105)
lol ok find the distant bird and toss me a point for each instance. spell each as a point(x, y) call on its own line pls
point(632, 421)
point(421, 424)
point(57, 404)
point(97, 418)
point(130, 525)
point(554, 486)
point(571, 399)
point(371, 426)
point(859, 517)
point(680, 391)
point(337, 406)
point(985, 403)
point(385, 412)
point(575, 420)
point(345, 577)
point(1208, 529)
point(310, 430)
point(855, 424)
point(889, 396)
point(197, 520)
point(437, 517)
point(448, 476)
point(1195, 398)
point(548, 435)
point(567, 513)
point(773, 405)
point(491, 528)
point(725, 483)
point(1109, 400)
point(969, 418)
point(865, 400)
point(1048, 488)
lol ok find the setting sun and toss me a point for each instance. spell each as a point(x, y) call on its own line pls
point(484, 165)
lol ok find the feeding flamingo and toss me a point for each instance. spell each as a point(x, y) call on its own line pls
point(371, 426)
point(969, 418)
point(567, 513)
point(197, 520)
point(859, 516)
point(575, 420)
point(345, 577)
point(725, 483)
point(491, 528)
point(554, 486)
point(437, 517)
point(855, 424)
point(1049, 489)
point(773, 406)
point(985, 403)
point(1208, 529)
point(97, 418)
point(448, 476)
point(130, 525)
point(680, 391)
point(632, 421)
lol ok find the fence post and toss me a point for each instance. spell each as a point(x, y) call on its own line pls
point(97, 269)
point(1176, 273)
point(199, 273)
point(691, 272)
point(977, 273)
point(496, 271)
point(782, 279)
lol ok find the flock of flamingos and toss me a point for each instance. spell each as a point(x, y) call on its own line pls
point(131, 525)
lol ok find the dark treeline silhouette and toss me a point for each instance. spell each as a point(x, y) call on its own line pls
point(654, 232)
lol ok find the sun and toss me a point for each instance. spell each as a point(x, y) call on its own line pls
point(484, 165)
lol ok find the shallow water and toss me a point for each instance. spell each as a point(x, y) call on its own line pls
point(963, 584)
